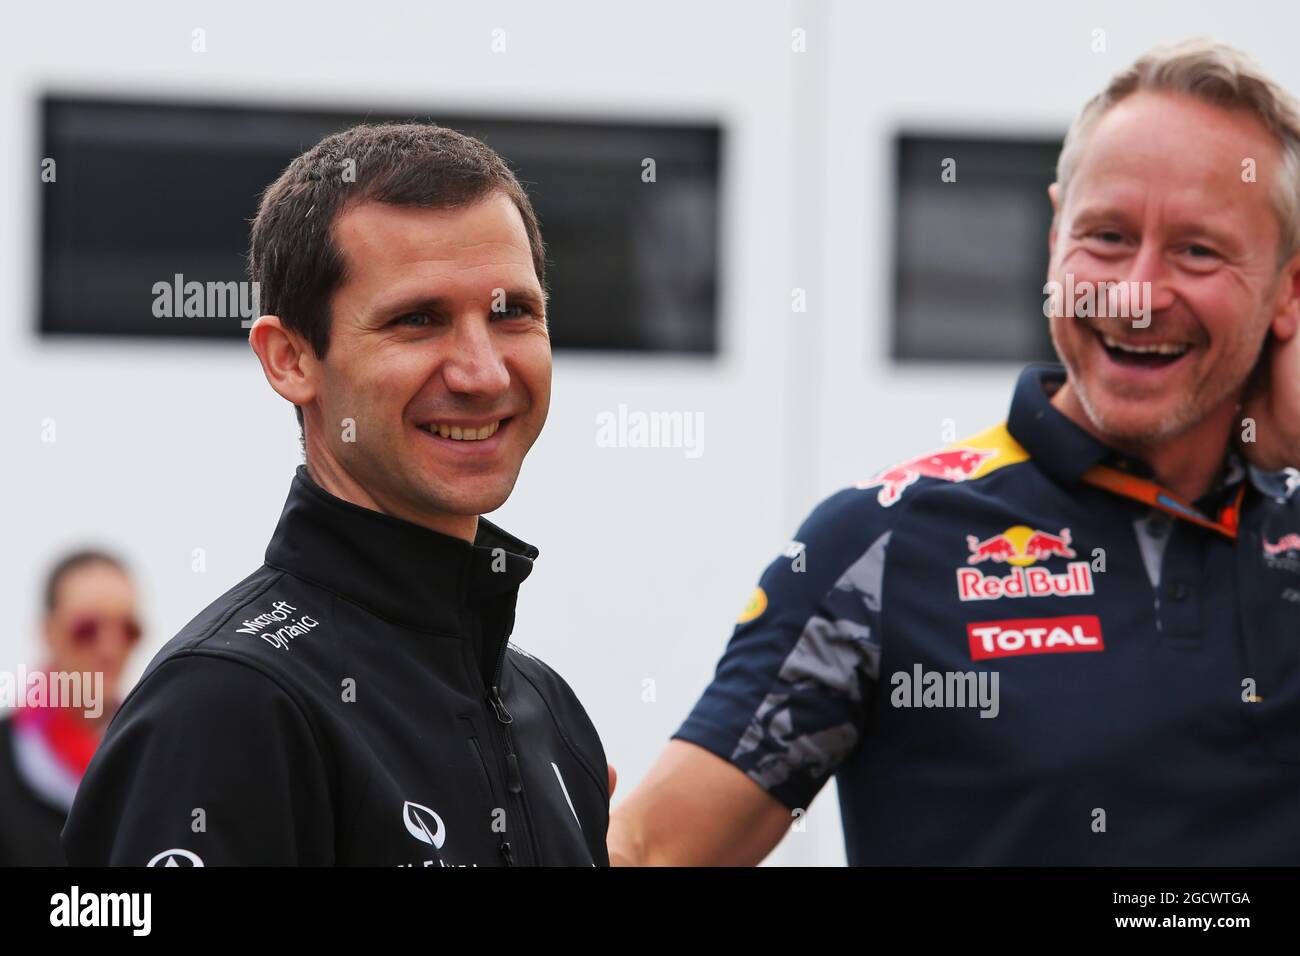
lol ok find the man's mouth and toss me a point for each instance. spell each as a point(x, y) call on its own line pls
point(464, 432)
point(1142, 354)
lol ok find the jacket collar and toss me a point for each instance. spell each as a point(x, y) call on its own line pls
point(1064, 450)
point(1056, 444)
point(401, 571)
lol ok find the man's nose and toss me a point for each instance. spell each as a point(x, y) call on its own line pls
point(1150, 266)
point(475, 365)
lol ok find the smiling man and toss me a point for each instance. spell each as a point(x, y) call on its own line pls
point(356, 699)
point(1120, 558)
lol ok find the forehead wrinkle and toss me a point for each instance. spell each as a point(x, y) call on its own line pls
point(484, 254)
point(1192, 206)
point(1218, 141)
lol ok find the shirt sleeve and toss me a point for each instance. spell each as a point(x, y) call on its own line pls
point(788, 701)
point(209, 762)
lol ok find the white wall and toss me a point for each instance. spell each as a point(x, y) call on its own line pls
point(646, 556)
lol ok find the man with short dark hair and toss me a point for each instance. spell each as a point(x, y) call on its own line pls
point(356, 699)
point(90, 627)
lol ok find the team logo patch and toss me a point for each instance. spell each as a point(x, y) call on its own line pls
point(175, 857)
point(953, 464)
point(1283, 545)
point(423, 824)
point(756, 606)
point(1021, 547)
point(1034, 635)
point(1283, 553)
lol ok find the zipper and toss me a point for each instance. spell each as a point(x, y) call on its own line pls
point(503, 845)
point(514, 779)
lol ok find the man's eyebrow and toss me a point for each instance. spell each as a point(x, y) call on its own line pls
point(1100, 211)
point(1210, 228)
point(412, 303)
point(522, 295)
point(530, 296)
point(437, 303)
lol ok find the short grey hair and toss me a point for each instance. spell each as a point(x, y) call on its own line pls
point(1212, 73)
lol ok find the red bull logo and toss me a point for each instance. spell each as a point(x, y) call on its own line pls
point(953, 464)
point(1021, 547)
point(1283, 545)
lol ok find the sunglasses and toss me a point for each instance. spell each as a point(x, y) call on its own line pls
point(87, 630)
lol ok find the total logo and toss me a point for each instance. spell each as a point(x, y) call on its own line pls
point(1021, 547)
point(1034, 635)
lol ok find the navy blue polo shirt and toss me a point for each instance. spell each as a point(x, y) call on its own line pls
point(1002, 663)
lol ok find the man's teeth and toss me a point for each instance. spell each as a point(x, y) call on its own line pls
point(456, 433)
point(1163, 348)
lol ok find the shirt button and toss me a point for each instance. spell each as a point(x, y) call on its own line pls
point(1177, 591)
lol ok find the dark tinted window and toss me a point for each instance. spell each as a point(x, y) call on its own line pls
point(971, 255)
point(146, 191)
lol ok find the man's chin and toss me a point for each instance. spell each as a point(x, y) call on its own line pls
point(1134, 421)
point(466, 502)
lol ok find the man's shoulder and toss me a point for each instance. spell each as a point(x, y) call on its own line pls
point(250, 625)
point(855, 517)
point(845, 538)
point(266, 612)
point(969, 462)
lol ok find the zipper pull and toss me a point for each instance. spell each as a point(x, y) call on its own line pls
point(506, 854)
point(499, 708)
point(514, 782)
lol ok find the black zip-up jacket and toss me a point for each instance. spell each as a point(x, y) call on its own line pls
point(355, 701)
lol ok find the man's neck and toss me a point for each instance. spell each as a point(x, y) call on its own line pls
point(1187, 464)
point(336, 480)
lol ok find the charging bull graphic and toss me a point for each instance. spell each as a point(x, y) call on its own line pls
point(1020, 545)
point(952, 464)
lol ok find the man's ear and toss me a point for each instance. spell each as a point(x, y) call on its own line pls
point(288, 361)
point(1054, 194)
point(1286, 319)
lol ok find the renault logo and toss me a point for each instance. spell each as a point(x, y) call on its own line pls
point(417, 819)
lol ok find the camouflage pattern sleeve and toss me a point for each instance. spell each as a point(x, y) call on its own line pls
point(788, 700)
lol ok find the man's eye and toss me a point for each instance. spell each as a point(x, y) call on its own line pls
point(511, 312)
point(1201, 252)
point(1108, 236)
point(413, 318)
